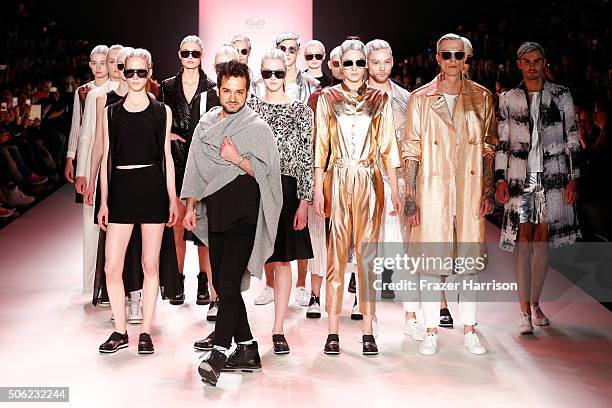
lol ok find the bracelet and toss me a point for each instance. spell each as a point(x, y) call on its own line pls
point(239, 161)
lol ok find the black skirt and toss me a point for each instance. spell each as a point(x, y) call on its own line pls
point(290, 244)
point(138, 196)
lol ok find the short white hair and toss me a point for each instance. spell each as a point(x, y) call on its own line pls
point(315, 42)
point(274, 54)
point(376, 45)
point(99, 49)
point(192, 39)
point(140, 53)
point(115, 47)
point(241, 37)
point(445, 37)
point(349, 45)
point(467, 46)
point(335, 53)
point(122, 55)
point(229, 50)
point(288, 35)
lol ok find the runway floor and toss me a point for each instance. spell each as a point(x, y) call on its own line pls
point(50, 334)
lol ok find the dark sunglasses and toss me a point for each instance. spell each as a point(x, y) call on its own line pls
point(468, 59)
point(336, 64)
point(309, 57)
point(267, 74)
point(360, 63)
point(120, 66)
point(194, 53)
point(446, 55)
point(243, 51)
point(142, 73)
point(292, 49)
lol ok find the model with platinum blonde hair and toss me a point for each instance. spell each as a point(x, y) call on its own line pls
point(274, 54)
point(243, 45)
point(469, 55)
point(183, 93)
point(314, 54)
point(227, 52)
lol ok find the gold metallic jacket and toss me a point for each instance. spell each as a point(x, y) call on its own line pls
point(450, 150)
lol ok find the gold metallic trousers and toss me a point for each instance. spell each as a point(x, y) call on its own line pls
point(357, 200)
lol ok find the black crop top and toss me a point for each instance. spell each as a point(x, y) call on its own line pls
point(135, 138)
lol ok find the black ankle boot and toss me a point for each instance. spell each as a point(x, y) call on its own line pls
point(205, 344)
point(446, 320)
point(245, 358)
point(369, 345)
point(210, 367)
point(387, 293)
point(203, 293)
point(145, 344)
point(179, 299)
point(280, 344)
point(332, 345)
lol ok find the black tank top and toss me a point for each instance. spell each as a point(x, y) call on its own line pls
point(135, 141)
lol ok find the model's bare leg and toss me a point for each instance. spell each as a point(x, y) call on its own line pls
point(282, 292)
point(539, 264)
point(316, 282)
point(117, 239)
point(269, 272)
point(204, 261)
point(302, 271)
point(179, 242)
point(523, 265)
point(151, 244)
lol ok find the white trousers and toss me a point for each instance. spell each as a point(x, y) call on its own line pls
point(316, 227)
point(467, 302)
point(91, 234)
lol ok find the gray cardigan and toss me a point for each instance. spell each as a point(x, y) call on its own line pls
point(206, 172)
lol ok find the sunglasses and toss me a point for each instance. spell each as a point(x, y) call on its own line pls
point(187, 53)
point(468, 60)
point(120, 66)
point(142, 73)
point(292, 49)
point(446, 55)
point(309, 57)
point(360, 63)
point(336, 64)
point(243, 51)
point(267, 74)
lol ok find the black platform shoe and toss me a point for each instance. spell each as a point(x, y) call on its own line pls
point(206, 344)
point(352, 287)
point(179, 299)
point(145, 344)
point(446, 320)
point(245, 358)
point(280, 344)
point(211, 366)
point(203, 293)
point(332, 345)
point(369, 345)
point(387, 293)
point(115, 342)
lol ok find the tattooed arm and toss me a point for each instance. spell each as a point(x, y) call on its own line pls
point(411, 211)
point(487, 202)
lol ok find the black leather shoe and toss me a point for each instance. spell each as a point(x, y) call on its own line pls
point(369, 345)
point(352, 287)
point(179, 299)
point(145, 344)
point(206, 344)
point(115, 342)
point(386, 279)
point(446, 320)
point(245, 358)
point(213, 309)
point(210, 367)
point(280, 344)
point(332, 345)
point(203, 293)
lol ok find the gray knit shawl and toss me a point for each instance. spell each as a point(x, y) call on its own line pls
point(206, 172)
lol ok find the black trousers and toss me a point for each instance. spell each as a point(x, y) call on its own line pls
point(229, 255)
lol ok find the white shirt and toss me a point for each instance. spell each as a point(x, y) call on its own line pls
point(451, 100)
point(75, 128)
point(534, 159)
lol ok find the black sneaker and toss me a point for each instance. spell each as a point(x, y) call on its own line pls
point(245, 358)
point(314, 307)
point(386, 279)
point(203, 297)
point(352, 287)
point(369, 345)
point(213, 309)
point(179, 299)
point(145, 344)
point(206, 344)
point(280, 344)
point(332, 344)
point(211, 366)
point(115, 342)
point(446, 320)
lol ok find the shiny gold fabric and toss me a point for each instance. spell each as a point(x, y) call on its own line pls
point(450, 150)
point(353, 127)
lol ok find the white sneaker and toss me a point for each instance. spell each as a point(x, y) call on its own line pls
point(266, 296)
point(16, 197)
point(302, 297)
point(414, 329)
point(472, 343)
point(538, 317)
point(525, 327)
point(134, 311)
point(429, 345)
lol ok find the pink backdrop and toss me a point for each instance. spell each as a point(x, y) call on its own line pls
point(260, 20)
